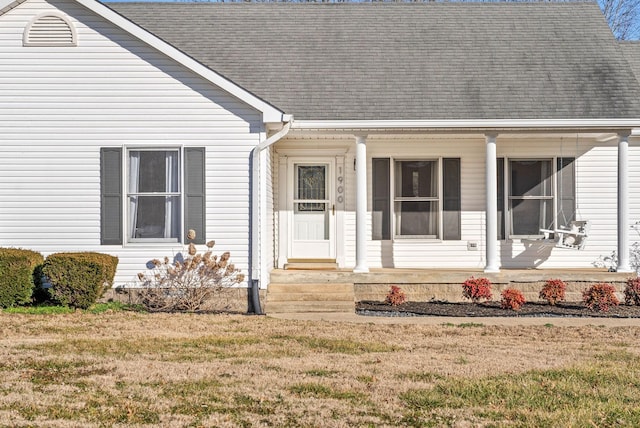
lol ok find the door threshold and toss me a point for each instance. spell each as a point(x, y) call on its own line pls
point(311, 264)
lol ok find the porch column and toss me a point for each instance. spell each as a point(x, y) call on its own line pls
point(623, 203)
point(361, 204)
point(491, 205)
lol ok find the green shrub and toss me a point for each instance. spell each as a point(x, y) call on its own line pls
point(79, 279)
point(17, 275)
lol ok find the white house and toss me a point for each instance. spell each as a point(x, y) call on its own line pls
point(426, 135)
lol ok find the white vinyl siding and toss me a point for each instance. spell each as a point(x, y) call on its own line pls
point(60, 105)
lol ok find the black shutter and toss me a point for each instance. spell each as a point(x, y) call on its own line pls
point(566, 191)
point(500, 180)
point(381, 221)
point(111, 196)
point(194, 193)
point(451, 212)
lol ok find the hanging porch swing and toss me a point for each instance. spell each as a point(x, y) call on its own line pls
point(573, 234)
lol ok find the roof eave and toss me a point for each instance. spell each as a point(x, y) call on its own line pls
point(472, 125)
point(7, 5)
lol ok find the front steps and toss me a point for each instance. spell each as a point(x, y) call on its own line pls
point(310, 297)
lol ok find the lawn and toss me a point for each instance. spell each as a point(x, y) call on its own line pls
point(133, 369)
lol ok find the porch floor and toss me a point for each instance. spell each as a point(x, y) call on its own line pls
point(442, 276)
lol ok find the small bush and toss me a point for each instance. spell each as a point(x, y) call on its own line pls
point(512, 299)
point(186, 285)
point(476, 289)
point(79, 279)
point(632, 291)
point(18, 276)
point(600, 297)
point(396, 296)
point(553, 291)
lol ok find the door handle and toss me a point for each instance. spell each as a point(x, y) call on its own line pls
point(333, 209)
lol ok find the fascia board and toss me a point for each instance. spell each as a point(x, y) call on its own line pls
point(7, 5)
point(269, 113)
point(475, 124)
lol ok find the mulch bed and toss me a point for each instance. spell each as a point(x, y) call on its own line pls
point(491, 309)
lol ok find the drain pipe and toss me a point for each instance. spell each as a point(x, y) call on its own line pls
point(255, 210)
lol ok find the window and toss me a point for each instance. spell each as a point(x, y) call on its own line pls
point(540, 195)
point(380, 194)
point(423, 201)
point(153, 196)
point(416, 198)
point(158, 197)
point(530, 196)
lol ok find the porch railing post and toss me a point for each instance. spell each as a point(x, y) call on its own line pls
point(623, 203)
point(491, 205)
point(361, 204)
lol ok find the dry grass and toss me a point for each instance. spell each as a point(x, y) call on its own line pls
point(134, 369)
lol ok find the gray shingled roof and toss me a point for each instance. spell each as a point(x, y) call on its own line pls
point(408, 61)
point(631, 51)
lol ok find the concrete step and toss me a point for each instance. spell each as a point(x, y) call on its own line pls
point(311, 266)
point(313, 297)
point(294, 307)
point(310, 297)
point(279, 288)
point(282, 276)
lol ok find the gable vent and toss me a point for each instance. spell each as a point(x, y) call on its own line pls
point(50, 30)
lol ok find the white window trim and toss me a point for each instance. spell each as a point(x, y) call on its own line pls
point(507, 197)
point(439, 199)
point(126, 226)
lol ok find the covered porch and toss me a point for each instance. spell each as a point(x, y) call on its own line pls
point(492, 209)
point(461, 179)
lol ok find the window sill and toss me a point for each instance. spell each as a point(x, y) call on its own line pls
point(413, 238)
point(522, 238)
point(153, 243)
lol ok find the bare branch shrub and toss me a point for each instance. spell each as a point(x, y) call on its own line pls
point(610, 261)
point(186, 285)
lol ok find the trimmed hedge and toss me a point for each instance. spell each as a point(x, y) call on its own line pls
point(79, 279)
point(18, 276)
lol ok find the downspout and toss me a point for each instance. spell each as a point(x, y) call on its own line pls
point(256, 212)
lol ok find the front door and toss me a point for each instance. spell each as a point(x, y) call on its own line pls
point(312, 209)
